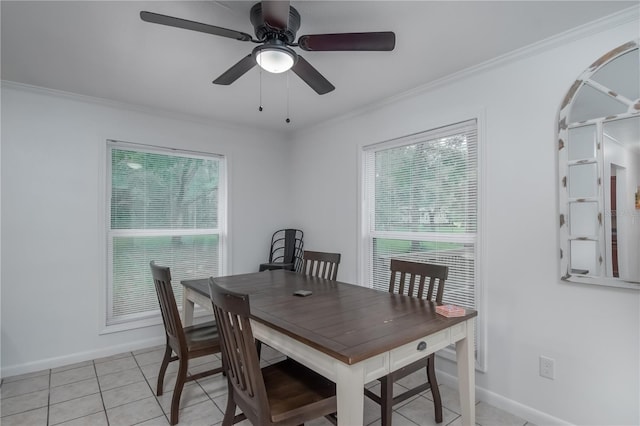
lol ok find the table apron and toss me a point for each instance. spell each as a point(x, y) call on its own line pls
point(199, 299)
point(373, 367)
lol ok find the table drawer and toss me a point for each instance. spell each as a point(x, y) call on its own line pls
point(410, 352)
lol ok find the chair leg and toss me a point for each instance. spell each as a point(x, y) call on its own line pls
point(163, 369)
point(435, 391)
point(258, 348)
point(386, 400)
point(181, 378)
point(230, 411)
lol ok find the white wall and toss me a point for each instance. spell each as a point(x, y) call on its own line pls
point(593, 333)
point(53, 229)
point(52, 242)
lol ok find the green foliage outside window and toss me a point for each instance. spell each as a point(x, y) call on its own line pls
point(424, 187)
point(164, 207)
point(158, 191)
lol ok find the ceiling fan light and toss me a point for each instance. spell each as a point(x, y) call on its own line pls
point(275, 59)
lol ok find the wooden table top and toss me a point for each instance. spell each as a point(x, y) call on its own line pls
point(348, 322)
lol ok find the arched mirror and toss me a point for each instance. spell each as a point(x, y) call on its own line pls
point(599, 171)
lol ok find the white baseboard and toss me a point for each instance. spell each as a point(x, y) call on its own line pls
point(517, 409)
point(44, 364)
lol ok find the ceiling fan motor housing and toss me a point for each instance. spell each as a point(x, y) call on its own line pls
point(266, 32)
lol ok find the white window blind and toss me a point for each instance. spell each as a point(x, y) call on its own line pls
point(420, 204)
point(166, 206)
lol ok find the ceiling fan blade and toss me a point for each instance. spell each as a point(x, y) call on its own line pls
point(311, 76)
point(236, 71)
point(170, 21)
point(276, 14)
point(376, 41)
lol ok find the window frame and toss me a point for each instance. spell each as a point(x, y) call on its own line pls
point(366, 207)
point(150, 318)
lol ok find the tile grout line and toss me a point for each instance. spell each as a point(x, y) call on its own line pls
point(95, 370)
point(151, 387)
point(49, 396)
point(79, 397)
point(207, 393)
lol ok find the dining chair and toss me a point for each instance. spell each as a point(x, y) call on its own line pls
point(185, 342)
point(284, 393)
point(411, 278)
point(285, 251)
point(321, 264)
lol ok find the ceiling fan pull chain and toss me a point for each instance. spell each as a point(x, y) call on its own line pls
point(260, 107)
point(288, 120)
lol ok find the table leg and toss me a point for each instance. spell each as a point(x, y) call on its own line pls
point(466, 375)
point(350, 394)
point(187, 308)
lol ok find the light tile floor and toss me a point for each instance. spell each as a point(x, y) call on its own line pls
point(119, 391)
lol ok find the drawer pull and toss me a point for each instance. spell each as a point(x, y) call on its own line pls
point(422, 346)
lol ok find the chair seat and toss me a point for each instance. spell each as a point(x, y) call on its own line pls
point(203, 336)
point(291, 387)
point(276, 265)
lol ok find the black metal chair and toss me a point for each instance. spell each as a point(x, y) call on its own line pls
point(286, 251)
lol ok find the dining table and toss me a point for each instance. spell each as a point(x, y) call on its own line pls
point(350, 334)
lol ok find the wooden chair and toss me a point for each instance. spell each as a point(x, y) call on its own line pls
point(285, 393)
point(404, 280)
point(186, 342)
point(320, 264)
point(286, 251)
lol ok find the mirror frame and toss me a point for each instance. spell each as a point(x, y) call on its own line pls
point(563, 167)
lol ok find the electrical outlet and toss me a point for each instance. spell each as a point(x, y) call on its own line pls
point(547, 367)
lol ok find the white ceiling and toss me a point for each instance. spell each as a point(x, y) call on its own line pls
point(103, 49)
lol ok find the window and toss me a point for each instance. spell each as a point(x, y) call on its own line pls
point(421, 204)
point(167, 206)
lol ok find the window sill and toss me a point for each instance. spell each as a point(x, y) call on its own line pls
point(198, 315)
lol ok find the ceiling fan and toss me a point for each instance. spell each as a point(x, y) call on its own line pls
point(276, 24)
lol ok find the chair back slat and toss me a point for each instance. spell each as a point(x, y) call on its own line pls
point(239, 353)
point(168, 307)
point(403, 277)
point(406, 270)
point(432, 282)
point(321, 264)
point(412, 284)
point(421, 287)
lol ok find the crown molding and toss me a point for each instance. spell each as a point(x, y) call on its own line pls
point(174, 115)
point(625, 16)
